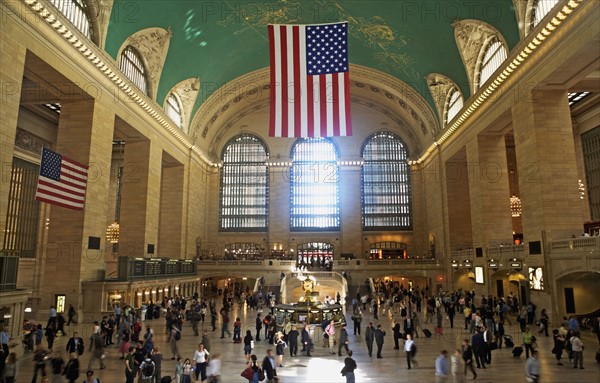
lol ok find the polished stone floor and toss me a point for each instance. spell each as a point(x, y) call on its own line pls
point(324, 367)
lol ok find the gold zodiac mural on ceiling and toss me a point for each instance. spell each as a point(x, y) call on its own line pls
point(374, 32)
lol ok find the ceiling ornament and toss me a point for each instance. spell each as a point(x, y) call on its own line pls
point(521, 11)
point(103, 10)
point(187, 90)
point(153, 45)
point(439, 86)
point(471, 36)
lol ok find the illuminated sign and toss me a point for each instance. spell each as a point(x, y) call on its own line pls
point(479, 274)
point(536, 278)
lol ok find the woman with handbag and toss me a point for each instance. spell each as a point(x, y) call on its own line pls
point(253, 372)
point(559, 345)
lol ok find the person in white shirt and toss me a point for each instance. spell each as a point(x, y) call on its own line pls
point(577, 346)
point(201, 358)
point(532, 368)
point(410, 349)
point(214, 368)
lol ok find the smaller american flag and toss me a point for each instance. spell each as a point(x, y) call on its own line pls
point(62, 181)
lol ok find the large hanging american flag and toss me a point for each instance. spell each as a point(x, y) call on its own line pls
point(310, 84)
point(62, 181)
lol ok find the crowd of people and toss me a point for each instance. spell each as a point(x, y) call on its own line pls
point(409, 310)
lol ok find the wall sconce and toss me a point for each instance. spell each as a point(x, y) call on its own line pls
point(139, 294)
point(454, 264)
point(493, 264)
point(468, 264)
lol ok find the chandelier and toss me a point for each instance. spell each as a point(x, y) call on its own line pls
point(581, 189)
point(515, 206)
point(112, 232)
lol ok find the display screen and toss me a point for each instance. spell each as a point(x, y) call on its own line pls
point(536, 278)
point(479, 274)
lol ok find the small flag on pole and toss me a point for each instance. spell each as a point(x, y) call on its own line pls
point(62, 181)
point(310, 83)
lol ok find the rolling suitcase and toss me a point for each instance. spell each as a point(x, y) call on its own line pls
point(427, 333)
point(517, 351)
point(508, 341)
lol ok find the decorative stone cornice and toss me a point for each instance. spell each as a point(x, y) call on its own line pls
point(153, 45)
point(471, 37)
point(104, 10)
point(30, 142)
point(187, 90)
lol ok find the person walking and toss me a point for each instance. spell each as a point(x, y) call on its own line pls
point(410, 349)
point(456, 367)
point(532, 368)
point(442, 367)
point(343, 340)
point(559, 345)
point(369, 338)
point(379, 335)
point(349, 367)
point(71, 371)
point(130, 367)
point(269, 368)
point(467, 356)
point(201, 359)
point(173, 338)
point(279, 348)
point(528, 339)
point(306, 339)
point(10, 368)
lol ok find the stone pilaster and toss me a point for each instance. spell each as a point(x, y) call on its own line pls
point(140, 198)
point(458, 207)
point(350, 212)
point(489, 191)
point(12, 64)
point(547, 166)
point(85, 133)
point(170, 231)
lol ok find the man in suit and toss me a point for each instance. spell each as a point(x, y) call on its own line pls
point(370, 337)
point(408, 325)
point(487, 344)
point(306, 341)
point(343, 340)
point(379, 334)
point(75, 344)
point(397, 334)
point(498, 332)
point(292, 337)
point(478, 345)
point(269, 367)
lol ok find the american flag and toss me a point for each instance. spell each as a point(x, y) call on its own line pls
point(310, 84)
point(62, 181)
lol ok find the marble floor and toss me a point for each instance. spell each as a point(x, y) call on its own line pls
point(324, 367)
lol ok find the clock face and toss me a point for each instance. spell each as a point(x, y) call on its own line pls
point(307, 284)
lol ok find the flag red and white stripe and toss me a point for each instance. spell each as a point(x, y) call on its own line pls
point(310, 97)
point(62, 181)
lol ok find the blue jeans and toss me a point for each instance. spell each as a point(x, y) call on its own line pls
point(350, 377)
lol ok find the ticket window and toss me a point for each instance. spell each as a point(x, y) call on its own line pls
point(59, 302)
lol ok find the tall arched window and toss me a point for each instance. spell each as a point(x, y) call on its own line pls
point(494, 56)
point(77, 13)
point(133, 68)
point(244, 185)
point(540, 9)
point(453, 105)
point(386, 186)
point(314, 204)
point(173, 109)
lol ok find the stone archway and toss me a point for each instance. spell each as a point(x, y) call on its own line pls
point(577, 293)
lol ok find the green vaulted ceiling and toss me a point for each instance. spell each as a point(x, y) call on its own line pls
point(218, 41)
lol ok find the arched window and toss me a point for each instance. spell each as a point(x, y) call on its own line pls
point(453, 105)
point(173, 109)
point(244, 185)
point(314, 204)
point(540, 9)
point(77, 13)
point(133, 68)
point(386, 186)
point(494, 56)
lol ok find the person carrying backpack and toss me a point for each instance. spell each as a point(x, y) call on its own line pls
point(147, 369)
